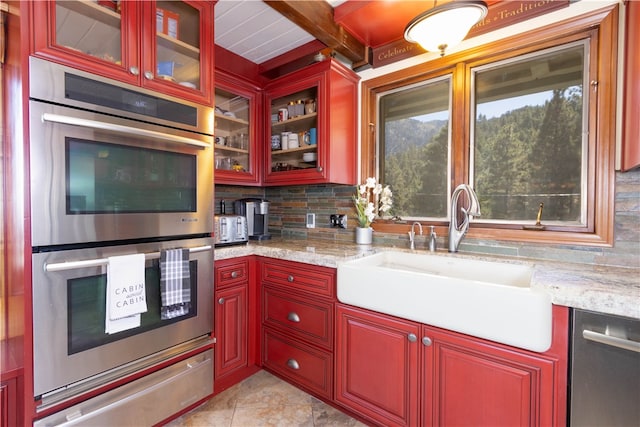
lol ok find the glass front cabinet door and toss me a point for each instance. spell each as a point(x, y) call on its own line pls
point(236, 115)
point(159, 45)
point(311, 131)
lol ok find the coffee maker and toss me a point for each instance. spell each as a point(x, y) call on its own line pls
point(257, 213)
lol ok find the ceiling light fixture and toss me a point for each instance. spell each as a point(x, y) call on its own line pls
point(446, 25)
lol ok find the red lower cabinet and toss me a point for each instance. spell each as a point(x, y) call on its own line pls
point(232, 319)
point(235, 330)
point(377, 372)
point(471, 382)
point(297, 324)
point(395, 372)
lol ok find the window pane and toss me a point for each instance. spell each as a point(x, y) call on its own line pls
point(414, 148)
point(528, 138)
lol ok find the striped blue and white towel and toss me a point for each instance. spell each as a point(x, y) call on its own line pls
point(175, 283)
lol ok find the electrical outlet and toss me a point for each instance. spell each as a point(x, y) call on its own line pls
point(311, 220)
point(339, 221)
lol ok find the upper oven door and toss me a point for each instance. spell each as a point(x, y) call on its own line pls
point(97, 178)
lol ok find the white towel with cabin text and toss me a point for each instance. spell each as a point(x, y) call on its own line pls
point(126, 294)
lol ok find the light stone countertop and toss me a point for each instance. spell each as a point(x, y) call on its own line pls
point(611, 290)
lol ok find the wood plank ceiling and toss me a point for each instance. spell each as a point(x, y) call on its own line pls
point(263, 31)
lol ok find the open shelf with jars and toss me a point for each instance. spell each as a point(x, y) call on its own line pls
point(310, 126)
point(294, 131)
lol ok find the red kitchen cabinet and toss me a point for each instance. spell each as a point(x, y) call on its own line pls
point(321, 110)
point(162, 45)
point(235, 355)
point(10, 402)
point(473, 382)
point(377, 372)
point(237, 130)
point(389, 370)
point(232, 324)
point(7, 410)
point(297, 323)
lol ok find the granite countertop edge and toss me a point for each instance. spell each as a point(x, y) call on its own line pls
point(604, 289)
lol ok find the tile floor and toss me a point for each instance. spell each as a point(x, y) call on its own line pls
point(264, 400)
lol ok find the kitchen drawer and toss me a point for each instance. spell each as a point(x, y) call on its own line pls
point(309, 278)
point(303, 365)
point(309, 319)
point(231, 272)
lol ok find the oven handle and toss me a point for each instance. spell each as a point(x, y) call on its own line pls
point(72, 265)
point(95, 124)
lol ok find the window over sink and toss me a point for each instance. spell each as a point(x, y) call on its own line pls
point(527, 121)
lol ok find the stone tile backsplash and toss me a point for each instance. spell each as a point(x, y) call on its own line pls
point(290, 204)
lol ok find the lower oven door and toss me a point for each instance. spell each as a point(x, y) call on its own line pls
point(72, 349)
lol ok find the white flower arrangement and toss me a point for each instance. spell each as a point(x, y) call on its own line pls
point(372, 201)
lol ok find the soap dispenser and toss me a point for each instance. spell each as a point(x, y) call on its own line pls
point(432, 239)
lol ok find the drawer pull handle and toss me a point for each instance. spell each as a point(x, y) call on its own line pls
point(293, 364)
point(234, 274)
point(426, 341)
point(221, 301)
point(412, 337)
point(290, 278)
point(293, 317)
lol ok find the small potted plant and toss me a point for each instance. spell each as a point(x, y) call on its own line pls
point(372, 201)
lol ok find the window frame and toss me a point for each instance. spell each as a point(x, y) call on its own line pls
point(600, 27)
point(445, 75)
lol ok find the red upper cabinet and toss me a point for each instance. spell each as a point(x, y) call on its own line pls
point(237, 131)
point(311, 122)
point(163, 45)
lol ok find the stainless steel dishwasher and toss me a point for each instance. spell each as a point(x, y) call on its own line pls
point(605, 370)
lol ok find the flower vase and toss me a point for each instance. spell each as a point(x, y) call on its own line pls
point(364, 236)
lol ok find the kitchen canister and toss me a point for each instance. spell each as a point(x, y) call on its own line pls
point(275, 142)
point(284, 140)
point(294, 141)
point(313, 136)
point(310, 106)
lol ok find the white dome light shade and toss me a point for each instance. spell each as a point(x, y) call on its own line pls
point(445, 25)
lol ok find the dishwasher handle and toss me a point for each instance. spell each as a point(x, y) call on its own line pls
point(610, 340)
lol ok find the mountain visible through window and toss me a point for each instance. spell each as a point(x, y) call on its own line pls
point(529, 143)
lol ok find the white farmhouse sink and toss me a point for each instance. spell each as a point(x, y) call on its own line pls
point(485, 299)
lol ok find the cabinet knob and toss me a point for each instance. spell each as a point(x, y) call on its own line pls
point(290, 278)
point(221, 301)
point(412, 337)
point(426, 341)
point(148, 75)
point(319, 168)
point(234, 274)
point(134, 70)
point(293, 364)
point(293, 317)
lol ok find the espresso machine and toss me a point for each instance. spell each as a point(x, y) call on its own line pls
point(257, 213)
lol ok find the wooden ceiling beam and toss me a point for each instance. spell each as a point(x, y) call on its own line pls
point(316, 18)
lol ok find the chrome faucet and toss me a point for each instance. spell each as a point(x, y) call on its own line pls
point(457, 231)
point(412, 233)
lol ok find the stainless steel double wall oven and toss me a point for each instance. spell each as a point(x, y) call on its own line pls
point(115, 170)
